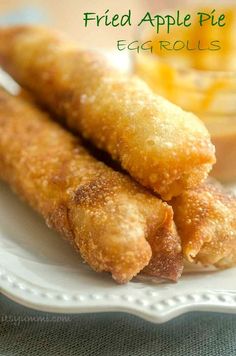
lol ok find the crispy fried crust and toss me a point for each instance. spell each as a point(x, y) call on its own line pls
point(103, 213)
point(206, 221)
point(165, 259)
point(160, 145)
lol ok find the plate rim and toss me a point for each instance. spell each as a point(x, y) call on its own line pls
point(48, 300)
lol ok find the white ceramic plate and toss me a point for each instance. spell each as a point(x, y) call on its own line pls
point(41, 271)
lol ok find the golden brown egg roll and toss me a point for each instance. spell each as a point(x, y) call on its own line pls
point(115, 224)
point(161, 146)
point(206, 221)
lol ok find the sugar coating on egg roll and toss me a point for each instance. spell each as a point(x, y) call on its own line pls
point(206, 222)
point(109, 218)
point(160, 145)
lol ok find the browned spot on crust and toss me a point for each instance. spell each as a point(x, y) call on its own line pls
point(95, 192)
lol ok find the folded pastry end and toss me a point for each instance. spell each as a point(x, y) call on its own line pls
point(206, 222)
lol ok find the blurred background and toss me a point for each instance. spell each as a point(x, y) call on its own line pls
point(67, 15)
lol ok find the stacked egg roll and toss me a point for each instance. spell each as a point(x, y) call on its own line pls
point(160, 145)
point(116, 224)
point(206, 221)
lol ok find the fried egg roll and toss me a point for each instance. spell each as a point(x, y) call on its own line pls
point(206, 222)
point(160, 145)
point(115, 224)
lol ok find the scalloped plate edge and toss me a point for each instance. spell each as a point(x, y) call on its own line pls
point(38, 298)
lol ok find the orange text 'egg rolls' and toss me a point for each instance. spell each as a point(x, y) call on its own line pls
point(115, 224)
point(160, 145)
point(206, 222)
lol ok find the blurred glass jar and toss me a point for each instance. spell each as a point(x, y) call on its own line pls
point(201, 81)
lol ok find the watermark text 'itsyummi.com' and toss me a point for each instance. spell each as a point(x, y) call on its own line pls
point(17, 319)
